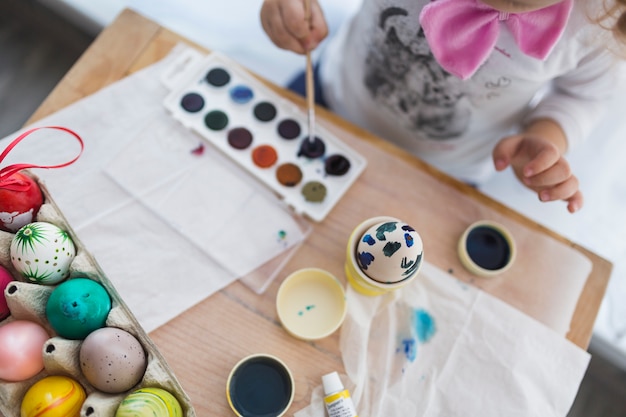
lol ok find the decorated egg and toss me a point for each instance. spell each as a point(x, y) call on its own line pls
point(112, 360)
point(21, 345)
point(5, 279)
point(149, 402)
point(390, 252)
point(20, 200)
point(42, 253)
point(53, 396)
point(77, 307)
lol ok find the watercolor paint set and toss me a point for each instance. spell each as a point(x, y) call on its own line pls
point(265, 134)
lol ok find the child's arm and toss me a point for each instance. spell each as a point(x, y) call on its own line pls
point(562, 119)
point(536, 156)
point(285, 23)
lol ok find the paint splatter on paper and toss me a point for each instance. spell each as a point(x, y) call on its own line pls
point(199, 150)
point(422, 329)
point(307, 308)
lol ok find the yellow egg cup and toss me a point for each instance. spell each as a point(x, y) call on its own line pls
point(359, 280)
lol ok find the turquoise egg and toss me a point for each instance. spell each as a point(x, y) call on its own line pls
point(149, 402)
point(77, 307)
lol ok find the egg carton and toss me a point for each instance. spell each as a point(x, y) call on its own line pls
point(27, 301)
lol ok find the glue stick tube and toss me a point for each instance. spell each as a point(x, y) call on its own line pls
point(337, 399)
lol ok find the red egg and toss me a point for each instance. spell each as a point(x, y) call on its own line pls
point(20, 200)
point(21, 345)
point(5, 279)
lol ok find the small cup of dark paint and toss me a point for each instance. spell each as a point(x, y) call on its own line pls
point(486, 248)
point(260, 385)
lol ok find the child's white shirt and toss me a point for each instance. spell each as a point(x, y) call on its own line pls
point(379, 73)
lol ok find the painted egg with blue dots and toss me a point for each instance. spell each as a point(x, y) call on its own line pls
point(53, 396)
point(42, 253)
point(390, 252)
point(149, 402)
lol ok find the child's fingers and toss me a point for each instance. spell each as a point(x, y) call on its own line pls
point(504, 150)
point(555, 174)
point(541, 159)
point(562, 191)
point(293, 16)
point(575, 202)
point(319, 27)
point(280, 19)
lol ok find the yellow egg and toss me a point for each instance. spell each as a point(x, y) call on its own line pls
point(53, 396)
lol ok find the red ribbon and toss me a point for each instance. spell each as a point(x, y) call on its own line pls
point(6, 173)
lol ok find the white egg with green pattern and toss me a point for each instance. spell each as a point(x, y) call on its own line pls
point(42, 253)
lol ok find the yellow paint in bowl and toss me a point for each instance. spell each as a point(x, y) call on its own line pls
point(311, 303)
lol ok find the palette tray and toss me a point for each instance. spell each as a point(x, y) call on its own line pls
point(27, 302)
point(265, 134)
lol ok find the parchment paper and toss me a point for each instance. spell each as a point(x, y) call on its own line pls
point(160, 213)
point(440, 347)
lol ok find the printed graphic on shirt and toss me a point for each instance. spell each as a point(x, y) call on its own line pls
point(402, 74)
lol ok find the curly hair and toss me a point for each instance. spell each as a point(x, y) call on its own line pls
point(613, 18)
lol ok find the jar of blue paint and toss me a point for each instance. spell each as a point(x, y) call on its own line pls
point(486, 248)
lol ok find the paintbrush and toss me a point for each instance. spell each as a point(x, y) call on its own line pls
point(310, 89)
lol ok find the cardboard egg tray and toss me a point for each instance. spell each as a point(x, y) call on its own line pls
point(27, 301)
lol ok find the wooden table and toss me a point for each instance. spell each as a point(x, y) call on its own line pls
point(204, 343)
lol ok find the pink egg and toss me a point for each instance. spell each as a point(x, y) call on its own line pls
point(5, 279)
point(21, 345)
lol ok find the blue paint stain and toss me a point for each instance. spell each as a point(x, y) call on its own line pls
point(424, 325)
point(307, 308)
point(408, 239)
point(391, 248)
point(411, 266)
point(385, 228)
point(365, 259)
point(367, 238)
point(422, 330)
point(409, 348)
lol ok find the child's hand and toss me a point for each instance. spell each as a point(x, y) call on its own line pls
point(285, 23)
point(538, 163)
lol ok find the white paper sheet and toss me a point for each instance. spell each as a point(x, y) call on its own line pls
point(440, 347)
point(167, 225)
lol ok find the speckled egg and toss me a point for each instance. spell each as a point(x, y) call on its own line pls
point(53, 396)
point(77, 307)
point(42, 253)
point(112, 360)
point(21, 345)
point(5, 280)
point(149, 402)
point(390, 252)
